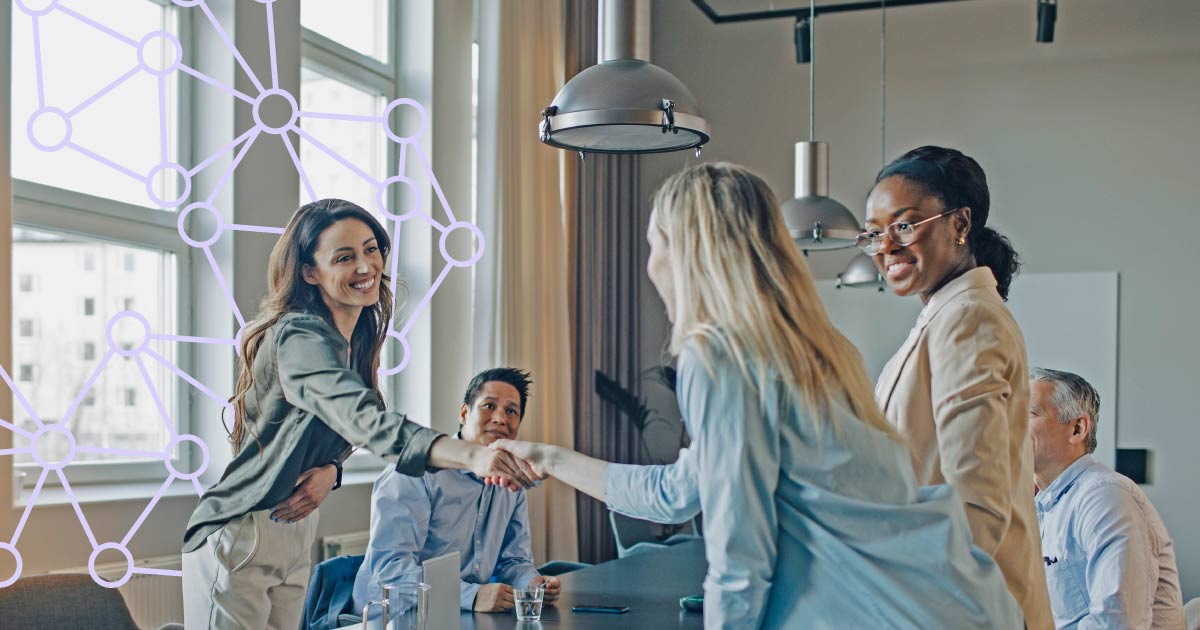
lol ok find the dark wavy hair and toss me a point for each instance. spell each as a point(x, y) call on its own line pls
point(959, 181)
point(287, 292)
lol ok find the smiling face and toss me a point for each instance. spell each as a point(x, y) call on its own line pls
point(658, 267)
point(934, 257)
point(349, 266)
point(494, 414)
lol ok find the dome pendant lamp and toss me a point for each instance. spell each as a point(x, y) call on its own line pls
point(624, 103)
point(862, 272)
point(816, 221)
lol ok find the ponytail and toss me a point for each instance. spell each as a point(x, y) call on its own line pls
point(993, 250)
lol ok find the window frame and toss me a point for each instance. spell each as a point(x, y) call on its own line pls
point(49, 208)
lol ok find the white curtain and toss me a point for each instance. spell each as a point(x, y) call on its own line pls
point(522, 315)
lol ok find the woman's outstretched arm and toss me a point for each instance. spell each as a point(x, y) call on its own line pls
point(584, 473)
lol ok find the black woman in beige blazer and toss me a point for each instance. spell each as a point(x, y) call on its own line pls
point(958, 388)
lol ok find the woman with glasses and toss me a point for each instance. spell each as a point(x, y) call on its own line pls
point(958, 389)
point(812, 515)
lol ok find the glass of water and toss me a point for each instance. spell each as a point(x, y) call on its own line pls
point(529, 602)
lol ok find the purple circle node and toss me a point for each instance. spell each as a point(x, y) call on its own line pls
point(237, 339)
point(405, 353)
point(181, 224)
point(49, 116)
point(387, 116)
point(187, 3)
point(128, 561)
point(382, 198)
point(23, 5)
point(478, 253)
point(265, 1)
point(184, 176)
point(195, 474)
point(17, 558)
point(140, 345)
point(62, 463)
point(257, 111)
point(169, 40)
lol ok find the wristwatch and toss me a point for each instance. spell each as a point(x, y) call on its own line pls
point(337, 484)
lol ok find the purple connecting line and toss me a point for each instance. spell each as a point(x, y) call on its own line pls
point(308, 187)
point(242, 96)
point(96, 25)
point(37, 62)
point(105, 90)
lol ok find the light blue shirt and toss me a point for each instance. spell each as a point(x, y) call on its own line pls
point(810, 527)
point(1109, 560)
point(414, 519)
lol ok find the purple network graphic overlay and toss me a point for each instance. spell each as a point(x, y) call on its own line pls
point(50, 129)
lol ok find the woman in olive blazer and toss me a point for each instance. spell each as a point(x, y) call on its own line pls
point(958, 388)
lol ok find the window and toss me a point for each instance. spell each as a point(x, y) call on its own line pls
point(65, 360)
point(25, 328)
point(363, 145)
point(25, 372)
point(111, 125)
point(361, 25)
point(90, 225)
point(26, 283)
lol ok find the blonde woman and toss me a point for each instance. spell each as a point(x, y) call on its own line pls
point(812, 515)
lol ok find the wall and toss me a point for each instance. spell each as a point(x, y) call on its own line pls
point(1089, 145)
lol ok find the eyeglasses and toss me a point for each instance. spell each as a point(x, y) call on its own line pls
point(901, 233)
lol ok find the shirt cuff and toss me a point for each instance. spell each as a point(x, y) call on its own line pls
point(617, 481)
point(466, 595)
point(413, 444)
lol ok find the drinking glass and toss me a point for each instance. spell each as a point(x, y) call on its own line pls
point(529, 602)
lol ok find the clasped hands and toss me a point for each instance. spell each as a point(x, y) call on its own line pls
point(533, 458)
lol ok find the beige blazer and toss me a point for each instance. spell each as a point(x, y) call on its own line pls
point(958, 391)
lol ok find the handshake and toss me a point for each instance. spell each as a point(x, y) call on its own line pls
point(513, 463)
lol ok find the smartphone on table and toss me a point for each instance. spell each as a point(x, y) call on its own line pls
point(612, 610)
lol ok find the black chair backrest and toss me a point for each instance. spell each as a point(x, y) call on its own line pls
point(63, 601)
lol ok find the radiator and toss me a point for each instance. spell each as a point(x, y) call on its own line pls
point(352, 544)
point(153, 600)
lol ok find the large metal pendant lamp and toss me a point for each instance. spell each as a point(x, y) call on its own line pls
point(624, 103)
point(814, 219)
point(862, 272)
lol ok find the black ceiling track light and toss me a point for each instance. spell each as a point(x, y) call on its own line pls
point(1047, 13)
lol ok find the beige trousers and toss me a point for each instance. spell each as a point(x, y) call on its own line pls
point(250, 574)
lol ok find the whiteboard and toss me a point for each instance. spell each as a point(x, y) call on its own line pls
point(1069, 321)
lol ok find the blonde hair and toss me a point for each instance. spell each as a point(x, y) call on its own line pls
point(741, 285)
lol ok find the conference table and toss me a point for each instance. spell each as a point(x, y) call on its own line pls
point(649, 583)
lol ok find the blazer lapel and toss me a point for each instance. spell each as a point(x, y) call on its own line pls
point(895, 367)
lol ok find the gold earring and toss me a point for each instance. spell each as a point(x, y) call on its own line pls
point(962, 241)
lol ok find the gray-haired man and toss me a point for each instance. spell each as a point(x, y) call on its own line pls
point(1109, 560)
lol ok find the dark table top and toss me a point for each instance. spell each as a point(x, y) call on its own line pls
point(650, 584)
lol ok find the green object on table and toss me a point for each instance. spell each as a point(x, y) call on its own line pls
point(695, 603)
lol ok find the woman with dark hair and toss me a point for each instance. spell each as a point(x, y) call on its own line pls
point(307, 392)
point(958, 389)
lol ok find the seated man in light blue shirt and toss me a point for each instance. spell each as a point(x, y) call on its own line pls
point(414, 519)
point(1109, 560)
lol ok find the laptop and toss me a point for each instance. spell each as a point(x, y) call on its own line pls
point(442, 576)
